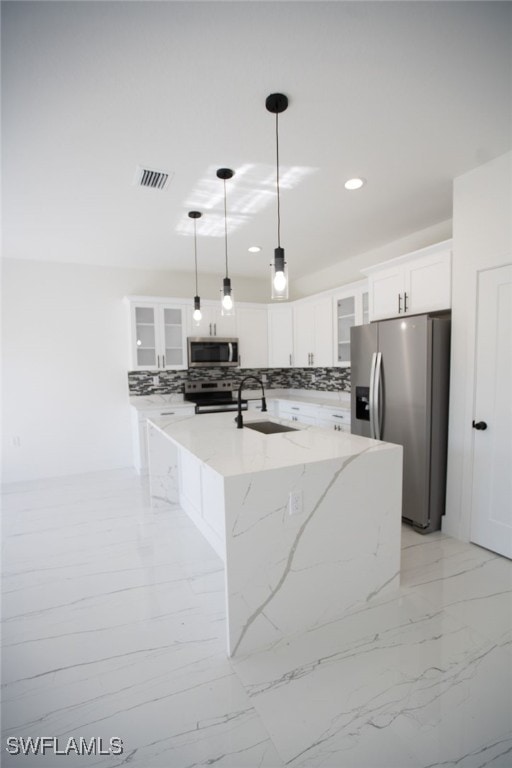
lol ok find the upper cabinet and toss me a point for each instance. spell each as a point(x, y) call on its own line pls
point(312, 332)
point(158, 334)
point(280, 336)
point(213, 322)
point(252, 333)
point(412, 284)
point(350, 307)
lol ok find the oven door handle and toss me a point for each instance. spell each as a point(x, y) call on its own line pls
point(230, 347)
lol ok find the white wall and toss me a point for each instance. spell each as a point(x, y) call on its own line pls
point(65, 357)
point(482, 239)
point(348, 270)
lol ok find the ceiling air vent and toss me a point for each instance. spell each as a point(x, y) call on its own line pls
point(149, 178)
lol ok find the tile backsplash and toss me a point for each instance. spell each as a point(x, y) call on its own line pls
point(315, 379)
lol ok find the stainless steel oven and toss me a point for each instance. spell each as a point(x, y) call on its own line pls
point(213, 396)
point(209, 352)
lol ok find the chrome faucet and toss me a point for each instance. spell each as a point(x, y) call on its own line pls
point(239, 418)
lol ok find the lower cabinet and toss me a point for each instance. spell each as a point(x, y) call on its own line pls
point(335, 418)
point(296, 411)
point(329, 417)
point(202, 498)
point(139, 441)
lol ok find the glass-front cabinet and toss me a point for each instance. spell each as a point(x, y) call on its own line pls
point(158, 339)
point(350, 308)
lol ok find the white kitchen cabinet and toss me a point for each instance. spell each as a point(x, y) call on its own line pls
point(213, 322)
point(158, 334)
point(280, 336)
point(329, 417)
point(312, 333)
point(334, 418)
point(350, 307)
point(201, 493)
point(411, 284)
point(252, 333)
point(171, 412)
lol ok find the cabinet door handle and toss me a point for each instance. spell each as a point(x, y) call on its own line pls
point(158, 361)
point(295, 408)
point(290, 361)
point(312, 358)
point(405, 302)
point(215, 329)
point(210, 329)
point(168, 413)
point(337, 416)
point(399, 303)
point(163, 361)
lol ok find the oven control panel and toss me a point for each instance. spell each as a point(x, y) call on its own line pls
point(225, 385)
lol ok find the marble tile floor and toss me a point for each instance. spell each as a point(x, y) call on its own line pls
point(113, 625)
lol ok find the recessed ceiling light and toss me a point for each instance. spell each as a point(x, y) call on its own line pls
point(254, 249)
point(352, 184)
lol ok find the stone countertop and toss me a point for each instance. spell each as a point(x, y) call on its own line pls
point(215, 440)
point(157, 402)
point(327, 400)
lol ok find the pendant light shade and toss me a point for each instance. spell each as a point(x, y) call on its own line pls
point(227, 299)
point(196, 315)
point(277, 103)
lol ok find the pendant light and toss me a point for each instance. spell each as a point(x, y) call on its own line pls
point(227, 300)
point(277, 103)
point(196, 315)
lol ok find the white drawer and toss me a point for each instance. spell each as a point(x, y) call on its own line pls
point(295, 408)
point(336, 415)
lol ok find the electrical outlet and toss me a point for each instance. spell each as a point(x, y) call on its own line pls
point(264, 378)
point(156, 380)
point(313, 378)
point(295, 503)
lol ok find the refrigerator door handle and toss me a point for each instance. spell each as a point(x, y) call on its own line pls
point(377, 396)
point(372, 396)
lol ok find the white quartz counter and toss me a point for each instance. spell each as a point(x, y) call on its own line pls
point(324, 399)
point(157, 402)
point(215, 440)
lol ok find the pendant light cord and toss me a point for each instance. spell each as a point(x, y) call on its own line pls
point(226, 228)
point(195, 253)
point(277, 183)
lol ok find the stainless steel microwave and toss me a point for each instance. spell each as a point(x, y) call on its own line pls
point(212, 351)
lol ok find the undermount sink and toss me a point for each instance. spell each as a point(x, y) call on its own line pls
point(268, 427)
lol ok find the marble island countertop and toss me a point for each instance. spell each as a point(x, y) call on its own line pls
point(306, 522)
point(215, 440)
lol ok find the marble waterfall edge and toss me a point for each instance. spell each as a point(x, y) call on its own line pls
point(284, 573)
point(287, 573)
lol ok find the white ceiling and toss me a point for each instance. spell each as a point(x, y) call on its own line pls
point(408, 95)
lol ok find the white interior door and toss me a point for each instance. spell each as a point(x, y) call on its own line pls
point(491, 516)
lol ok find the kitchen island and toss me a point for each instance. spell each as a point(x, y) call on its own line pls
point(306, 522)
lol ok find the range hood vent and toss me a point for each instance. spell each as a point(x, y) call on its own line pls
point(151, 179)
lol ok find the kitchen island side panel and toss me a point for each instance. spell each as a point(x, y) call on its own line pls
point(163, 465)
point(289, 573)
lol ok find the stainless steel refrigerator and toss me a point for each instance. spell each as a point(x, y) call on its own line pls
point(399, 393)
